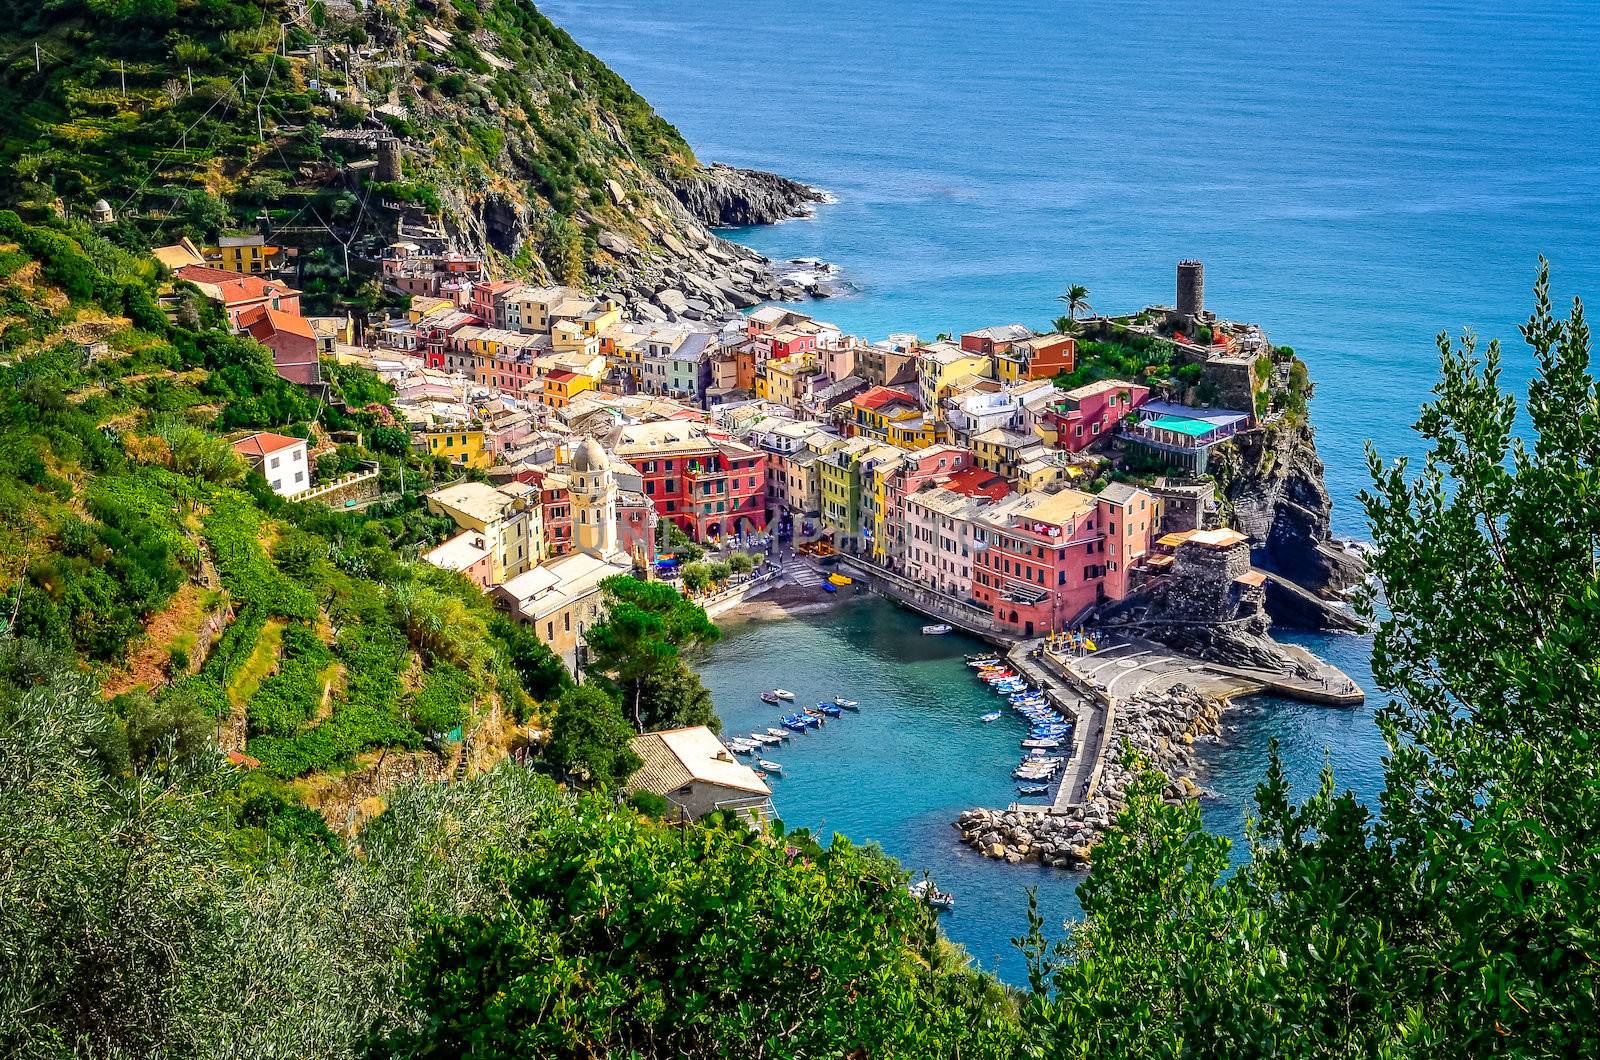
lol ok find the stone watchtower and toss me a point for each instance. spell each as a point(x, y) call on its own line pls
point(594, 501)
point(389, 168)
point(1191, 289)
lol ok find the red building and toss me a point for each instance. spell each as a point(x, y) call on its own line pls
point(240, 293)
point(291, 340)
point(711, 487)
point(1088, 413)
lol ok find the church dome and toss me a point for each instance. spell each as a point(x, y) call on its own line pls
point(590, 456)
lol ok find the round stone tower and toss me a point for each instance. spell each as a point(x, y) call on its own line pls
point(389, 167)
point(1191, 289)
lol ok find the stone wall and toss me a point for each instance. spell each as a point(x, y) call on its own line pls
point(1159, 728)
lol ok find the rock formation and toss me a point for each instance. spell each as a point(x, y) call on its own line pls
point(1271, 482)
point(725, 197)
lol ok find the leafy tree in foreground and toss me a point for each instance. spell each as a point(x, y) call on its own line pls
point(589, 737)
point(637, 653)
point(1462, 921)
point(625, 938)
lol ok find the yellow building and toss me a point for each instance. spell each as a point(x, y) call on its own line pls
point(876, 472)
point(783, 380)
point(561, 386)
point(248, 254)
point(459, 446)
point(941, 366)
point(1004, 452)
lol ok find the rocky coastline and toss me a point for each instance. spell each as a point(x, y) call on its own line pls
point(1161, 728)
point(723, 196)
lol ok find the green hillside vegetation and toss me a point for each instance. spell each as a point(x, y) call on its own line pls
point(117, 493)
point(510, 128)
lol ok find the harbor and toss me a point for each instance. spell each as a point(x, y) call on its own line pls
point(916, 755)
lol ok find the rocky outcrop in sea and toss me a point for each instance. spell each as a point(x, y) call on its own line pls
point(723, 196)
point(1161, 728)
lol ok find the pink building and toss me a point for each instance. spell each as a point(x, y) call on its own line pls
point(1043, 559)
point(1089, 413)
point(942, 522)
point(467, 554)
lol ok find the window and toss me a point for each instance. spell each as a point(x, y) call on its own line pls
point(274, 464)
point(299, 476)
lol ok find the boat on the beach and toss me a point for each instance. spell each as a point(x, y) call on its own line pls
point(847, 704)
point(840, 579)
point(938, 629)
point(770, 767)
point(829, 587)
point(781, 693)
point(993, 715)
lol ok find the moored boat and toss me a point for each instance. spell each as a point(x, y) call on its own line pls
point(1032, 789)
point(782, 693)
point(993, 715)
point(770, 767)
point(769, 697)
point(847, 704)
point(1045, 744)
point(938, 629)
point(830, 710)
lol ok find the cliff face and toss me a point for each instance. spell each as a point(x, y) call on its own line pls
point(1271, 484)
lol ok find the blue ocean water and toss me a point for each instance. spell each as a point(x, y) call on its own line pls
point(1356, 177)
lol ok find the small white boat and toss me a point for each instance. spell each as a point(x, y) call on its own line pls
point(993, 715)
point(936, 630)
point(847, 704)
point(925, 891)
point(770, 767)
point(741, 747)
point(1041, 743)
point(781, 734)
point(783, 693)
point(763, 739)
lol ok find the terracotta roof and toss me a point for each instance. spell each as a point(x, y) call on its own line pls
point(264, 443)
point(263, 320)
point(879, 396)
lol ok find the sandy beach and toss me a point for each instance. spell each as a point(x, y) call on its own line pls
point(784, 601)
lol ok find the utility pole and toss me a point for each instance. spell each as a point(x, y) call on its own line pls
point(189, 71)
point(124, 68)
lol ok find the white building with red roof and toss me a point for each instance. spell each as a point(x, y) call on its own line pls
point(282, 461)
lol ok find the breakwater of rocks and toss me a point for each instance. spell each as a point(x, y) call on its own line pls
point(1160, 727)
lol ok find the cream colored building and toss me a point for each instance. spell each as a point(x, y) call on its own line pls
point(692, 770)
point(507, 516)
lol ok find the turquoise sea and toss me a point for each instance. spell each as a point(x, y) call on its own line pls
point(1355, 176)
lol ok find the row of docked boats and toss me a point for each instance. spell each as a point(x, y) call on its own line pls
point(756, 742)
point(809, 718)
point(1048, 730)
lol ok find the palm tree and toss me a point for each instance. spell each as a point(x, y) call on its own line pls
point(1076, 298)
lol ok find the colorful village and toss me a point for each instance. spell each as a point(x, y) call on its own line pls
point(1014, 485)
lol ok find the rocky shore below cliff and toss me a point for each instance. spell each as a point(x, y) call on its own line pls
point(693, 274)
point(1161, 728)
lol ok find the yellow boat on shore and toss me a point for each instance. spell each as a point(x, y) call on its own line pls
point(840, 579)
